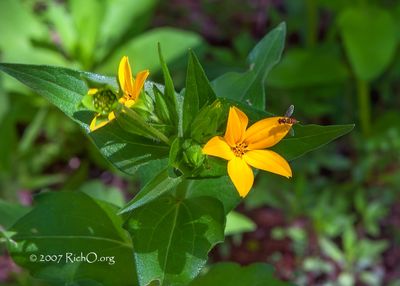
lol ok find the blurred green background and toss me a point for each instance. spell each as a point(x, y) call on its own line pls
point(337, 222)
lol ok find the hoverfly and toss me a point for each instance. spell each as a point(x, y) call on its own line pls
point(287, 119)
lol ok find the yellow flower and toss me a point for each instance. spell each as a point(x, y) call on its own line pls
point(244, 147)
point(130, 88)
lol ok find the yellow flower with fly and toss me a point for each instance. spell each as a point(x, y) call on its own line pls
point(244, 148)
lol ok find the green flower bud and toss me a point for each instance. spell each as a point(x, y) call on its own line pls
point(144, 105)
point(193, 154)
point(208, 121)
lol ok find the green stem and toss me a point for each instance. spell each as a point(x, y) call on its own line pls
point(32, 131)
point(145, 126)
point(364, 106)
point(312, 23)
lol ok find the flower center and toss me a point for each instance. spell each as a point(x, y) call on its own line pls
point(104, 100)
point(239, 149)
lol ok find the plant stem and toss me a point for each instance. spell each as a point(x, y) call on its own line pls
point(147, 128)
point(364, 106)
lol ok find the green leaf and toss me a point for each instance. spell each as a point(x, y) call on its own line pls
point(19, 27)
point(126, 151)
point(332, 250)
point(209, 121)
point(350, 242)
point(9, 141)
point(32, 131)
point(132, 122)
point(248, 87)
point(62, 21)
point(232, 274)
point(99, 191)
point(122, 17)
point(198, 92)
point(62, 87)
point(370, 39)
point(220, 188)
point(301, 68)
point(10, 213)
point(142, 50)
point(172, 237)
point(87, 26)
point(237, 223)
point(308, 138)
point(65, 89)
point(169, 90)
point(158, 186)
point(78, 226)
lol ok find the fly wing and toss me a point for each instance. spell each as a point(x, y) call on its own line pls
point(291, 132)
point(289, 111)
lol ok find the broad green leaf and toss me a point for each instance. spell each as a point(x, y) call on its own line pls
point(65, 88)
point(370, 39)
point(87, 27)
point(172, 237)
point(308, 138)
point(232, 274)
point(10, 213)
point(4, 102)
point(62, 21)
point(248, 87)
point(62, 87)
point(122, 17)
point(78, 226)
point(18, 27)
point(99, 191)
point(301, 68)
point(220, 188)
point(150, 170)
point(197, 94)
point(237, 223)
point(157, 187)
point(23, 22)
point(126, 151)
point(142, 50)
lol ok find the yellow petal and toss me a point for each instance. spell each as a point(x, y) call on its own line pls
point(268, 160)
point(94, 125)
point(236, 126)
point(241, 175)
point(217, 146)
point(92, 91)
point(139, 83)
point(111, 116)
point(129, 103)
point(266, 133)
point(125, 76)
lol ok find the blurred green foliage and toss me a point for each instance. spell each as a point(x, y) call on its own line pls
point(341, 64)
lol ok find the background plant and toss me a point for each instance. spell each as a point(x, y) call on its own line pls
point(331, 178)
